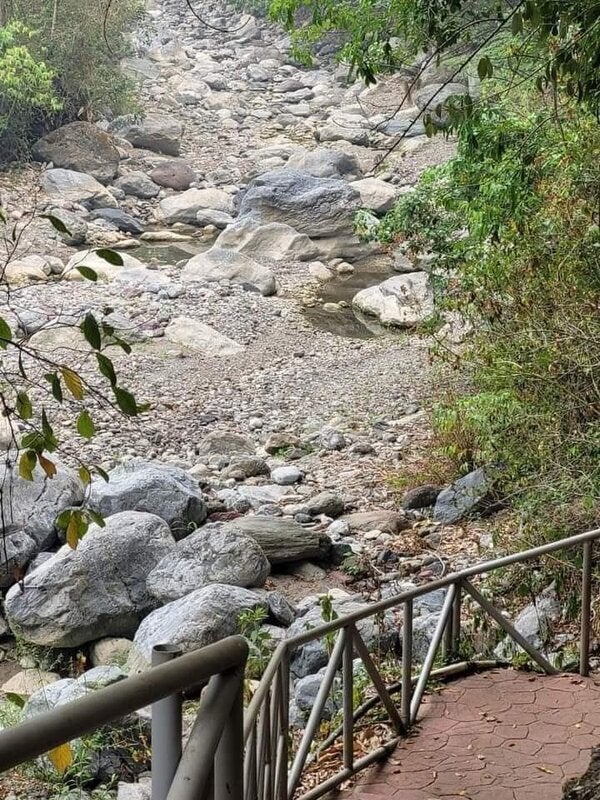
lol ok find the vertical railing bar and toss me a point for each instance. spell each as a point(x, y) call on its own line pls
point(315, 715)
point(447, 638)
point(456, 610)
point(250, 776)
point(166, 730)
point(263, 733)
point(586, 609)
point(229, 758)
point(431, 653)
point(348, 699)
point(534, 654)
point(282, 753)
point(275, 718)
point(407, 631)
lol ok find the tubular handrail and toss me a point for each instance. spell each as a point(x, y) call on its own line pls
point(266, 722)
point(379, 607)
point(225, 659)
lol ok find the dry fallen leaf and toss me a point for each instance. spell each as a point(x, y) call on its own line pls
point(61, 757)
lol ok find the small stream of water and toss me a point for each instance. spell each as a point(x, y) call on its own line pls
point(346, 320)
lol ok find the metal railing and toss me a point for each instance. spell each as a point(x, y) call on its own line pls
point(211, 763)
point(273, 772)
point(229, 757)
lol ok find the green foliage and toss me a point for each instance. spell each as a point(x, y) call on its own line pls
point(565, 33)
point(36, 387)
point(514, 220)
point(260, 641)
point(61, 61)
point(27, 91)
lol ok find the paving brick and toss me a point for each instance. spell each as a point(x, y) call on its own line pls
point(502, 735)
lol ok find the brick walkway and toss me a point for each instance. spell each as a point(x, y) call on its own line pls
point(501, 735)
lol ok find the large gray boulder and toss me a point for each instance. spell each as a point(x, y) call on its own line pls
point(77, 187)
point(105, 271)
point(274, 240)
point(437, 94)
point(174, 175)
point(161, 134)
point(95, 591)
point(282, 540)
point(194, 621)
point(185, 207)
point(217, 264)
point(198, 336)
point(535, 623)
point(402, 301)
point(376, 195)
point(155, 488)
point(205, 557)
point(464, 497)
point(137, 184)
point(82, 147)
point(18, 549)
point(62, 692)
point(29, 512)
point(319, 207)
point(325, 162)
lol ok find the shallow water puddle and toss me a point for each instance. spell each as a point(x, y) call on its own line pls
point(346, 320)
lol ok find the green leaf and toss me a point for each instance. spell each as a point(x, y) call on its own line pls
point(54, 382)
point(106, 368)
point(63, 519)
point(34, 440)
point(84, 475)
point(50, 441)
point(91, 331)
point(123, 344)
point(485, 68)
point(24, 407)
point(88, 273)
point(85, 425)
point(517, 23)
point(103, 474)
point(125, 401)
point(27, 464)
point(96, 517)
point(57, 223)
point(15, 699)
point(5, 333)
point(111, 256)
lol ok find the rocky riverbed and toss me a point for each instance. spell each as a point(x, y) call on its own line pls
point(277, 351)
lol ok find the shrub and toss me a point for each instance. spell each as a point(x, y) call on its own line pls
point(27, 92)
point(525, 270)
point(62, 61)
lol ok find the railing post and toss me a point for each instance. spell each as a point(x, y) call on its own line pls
point(456, 609)
point(166, 729)
point(586, 609)
point(229, 758)
point(348, 699)
point(281, 778)
point(407, 662)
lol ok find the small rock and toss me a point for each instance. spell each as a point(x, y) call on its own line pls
point(421, 496)
point(286, 476)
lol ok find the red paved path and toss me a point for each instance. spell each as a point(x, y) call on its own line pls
point(501, 735)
